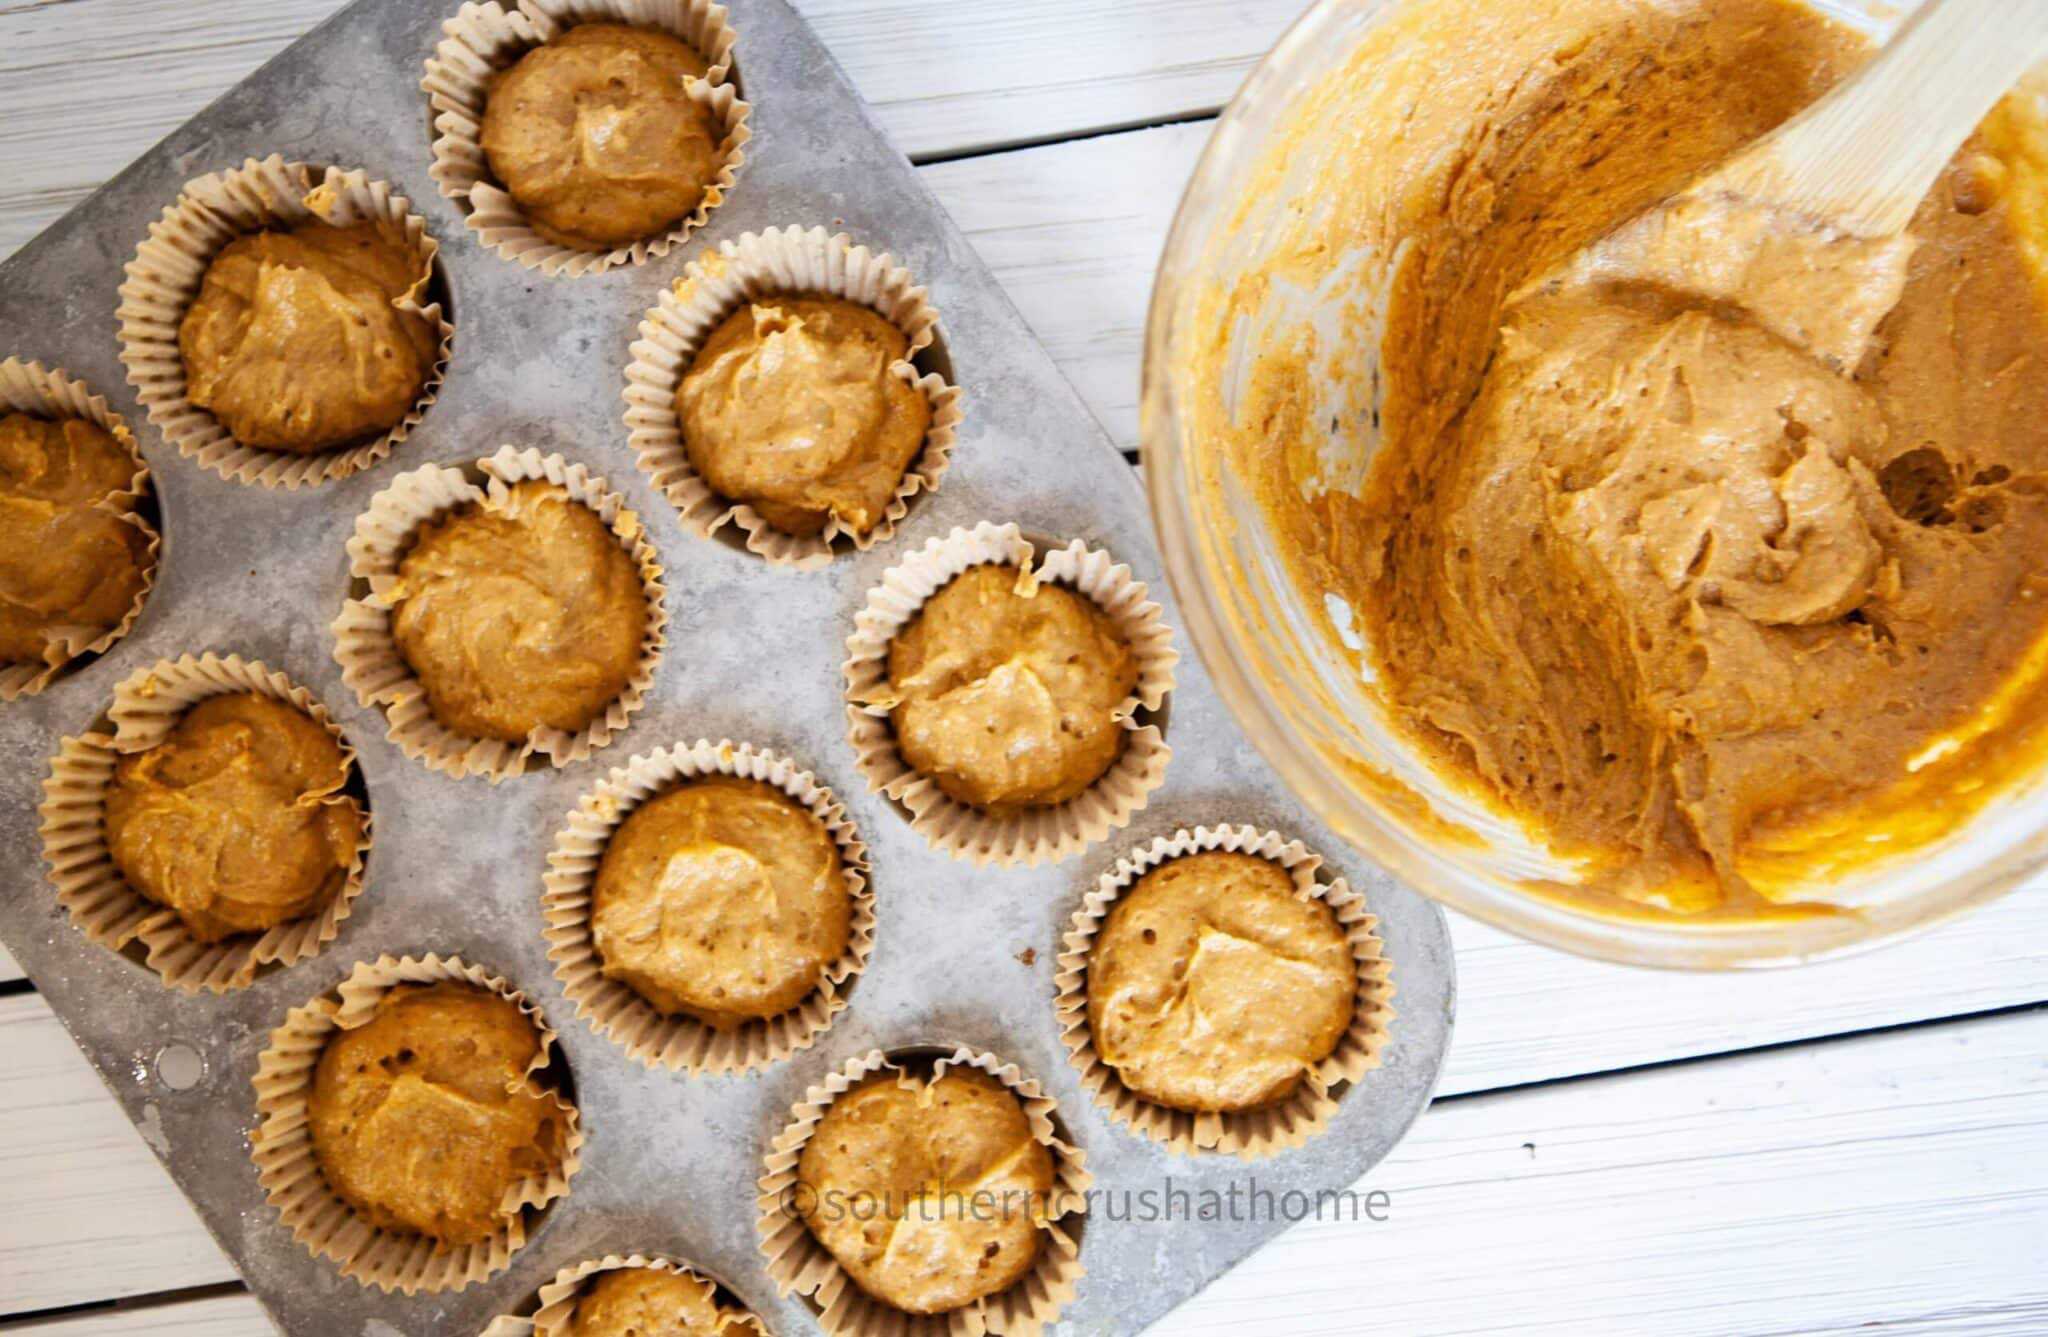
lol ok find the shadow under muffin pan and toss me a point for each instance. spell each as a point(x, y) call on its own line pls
point(962, 954)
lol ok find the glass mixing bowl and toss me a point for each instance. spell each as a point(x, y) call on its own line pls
point(1306, 706)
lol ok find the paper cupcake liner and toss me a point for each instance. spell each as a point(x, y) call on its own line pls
point(1249, 1134)
point(32, 388)
point(379, 675)
point(290, 1173)
point(778, 262)
point(483, 39)
point(1034, 835)
point(90, 887)
point(170, 265)
point(558, 1298)
point(622, 1015)
point(798, 1263)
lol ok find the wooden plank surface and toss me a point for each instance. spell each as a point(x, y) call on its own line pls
point(236, 1315)
point(86, 1212)
point(87, 84)
point(1893, 1182)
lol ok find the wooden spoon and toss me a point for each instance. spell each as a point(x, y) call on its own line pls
point(1864, 156)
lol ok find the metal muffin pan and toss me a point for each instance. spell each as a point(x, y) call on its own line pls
point(962, 955)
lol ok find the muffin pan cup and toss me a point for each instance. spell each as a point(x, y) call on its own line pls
point(964, 953)
point(1249, 1134)
point(558, 1298)
point(289, 1169)
point(170, 265)
point(40, 392)
point(370, 660)
point(799, 1264)
point(484, 39)
point(760, 266)
point(108, 910)
point(1033, 835)
point(682, 1042)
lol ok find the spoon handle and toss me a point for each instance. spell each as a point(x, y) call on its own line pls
point(1865, 155)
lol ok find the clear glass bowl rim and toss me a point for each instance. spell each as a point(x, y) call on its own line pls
point(1311, 47)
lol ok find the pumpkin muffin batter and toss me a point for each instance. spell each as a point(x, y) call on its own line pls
point(653, 1302)
point(518, 614)
point(1710, 553)
point(236, 821)
point(792, 406)
point(296, 342)
point(70, 565)
point(1214, 985)
point(1009, 693)
point(893, 1174)
point(722, 898)
point(596, 139)
point(424, 1117)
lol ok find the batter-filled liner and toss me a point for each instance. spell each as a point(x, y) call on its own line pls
point(43, 392)
point(1031, 835)
point(558, 1297)
point(170, 265)
point(759, 267)
point(290, 1173)
point(681, 1042)
point(485, 39)
point(1250, 1134)
point(369, 657)
point(798, 1263)
point(147, 705)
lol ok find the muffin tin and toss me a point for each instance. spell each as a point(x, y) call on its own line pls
point(963, 955)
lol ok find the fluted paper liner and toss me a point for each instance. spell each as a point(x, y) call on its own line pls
point(1249, 1134)
point(798, 1263)
point(170, 265)
point(41, 392)
point(647, 1034)
point(379, 675)
point(558, 1297)
point(294, 1185)
point(1034, 835)
point(486, 38)
point(780, 262)
point(90, 887)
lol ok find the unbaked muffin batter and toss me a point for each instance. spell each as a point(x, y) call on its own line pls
point(1688, 551)
point(890, 1178)
point(69, 564)
point(1214, 985)
point(518, 614)
point(424, 1117)
point(596, 139)
point(653, 1302)
point(1007, 692)
point(722, 898)
point(794, 407)
point(236, 821)
point(296, 343)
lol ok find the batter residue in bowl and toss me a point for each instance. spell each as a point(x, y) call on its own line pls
point(1712, 552)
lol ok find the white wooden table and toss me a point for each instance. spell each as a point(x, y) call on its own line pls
point(1858, 1145)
